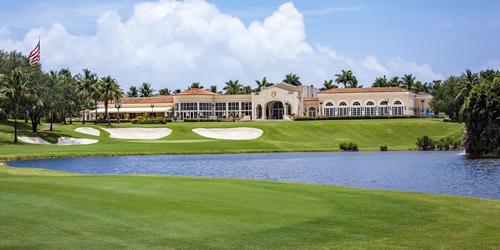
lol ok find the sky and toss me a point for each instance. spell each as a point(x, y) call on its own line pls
point(172, 43)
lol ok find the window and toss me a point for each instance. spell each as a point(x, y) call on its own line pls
point(246, 108)
point(370, 108)
point(220, 110)
point(189, 106)
point(397, 110)
point(343, 109)
point(205, 106)
point(233, 106)
point(383, 109)
point(312, 112)
point(329, 111)
point(356, 109)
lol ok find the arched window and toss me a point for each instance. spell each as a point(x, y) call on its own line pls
point(329, 111)
point(370, 108)
point(356, 109)
point(383, 108)
point(312, 112)
point(397, 110)
point(343, 109)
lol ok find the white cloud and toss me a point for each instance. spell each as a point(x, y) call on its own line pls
point(171, 43)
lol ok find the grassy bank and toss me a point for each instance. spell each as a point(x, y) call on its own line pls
point(278, 136)
point(42, 209)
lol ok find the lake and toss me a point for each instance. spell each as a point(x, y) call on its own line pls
point(429, 172)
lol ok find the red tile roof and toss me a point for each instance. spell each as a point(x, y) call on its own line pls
point(146, 100)
point(363, 90)
point(195, 92)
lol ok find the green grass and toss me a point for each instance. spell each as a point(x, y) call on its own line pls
point(47, 210)
point(397, 134)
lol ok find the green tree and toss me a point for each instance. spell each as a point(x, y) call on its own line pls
point(292, 79)
point(232, 87)
point(246, 90)
point(328, 84)
point(213, 88)
point(110, 91)
point(146, 90)
point(481, 113)
point(87, 81)
point(394, 82)
point(408, 82)
point(347, 78)
point(262, 84)
point(195, 85)
point(133, 92)
point(15, 86)
point(164, 91)
point(380, 82)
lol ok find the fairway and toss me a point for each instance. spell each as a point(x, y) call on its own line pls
point(46, 210)
point(279, 136)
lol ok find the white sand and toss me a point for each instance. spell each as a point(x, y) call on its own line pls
point(88, 131)
point(74, 141)
point(241, 133)
point(138, 133)
point(33, 140)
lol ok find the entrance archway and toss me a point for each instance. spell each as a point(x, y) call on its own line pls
point(312, 112)
point(275, 110)
point(259, 112)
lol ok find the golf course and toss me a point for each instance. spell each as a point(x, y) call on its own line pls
point(278, 136)
point(47, 209)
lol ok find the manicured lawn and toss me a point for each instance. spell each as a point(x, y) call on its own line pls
point(278, 136)
point(40, 209)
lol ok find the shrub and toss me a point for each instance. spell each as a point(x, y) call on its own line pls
point(203, 120)
point(147, 120)
point(425, 143)
point(383, 148)
point(348, 146)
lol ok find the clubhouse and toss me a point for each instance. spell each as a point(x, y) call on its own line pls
point(279, 102)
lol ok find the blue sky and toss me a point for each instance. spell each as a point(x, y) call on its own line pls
point(448, 36)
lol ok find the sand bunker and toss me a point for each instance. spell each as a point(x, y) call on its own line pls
point(230, 133)
point(88, 131)
point(75, 141)
point(138, 133)
point(63, 141)
point(33, 140)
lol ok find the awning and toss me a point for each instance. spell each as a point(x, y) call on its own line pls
point(136, 110)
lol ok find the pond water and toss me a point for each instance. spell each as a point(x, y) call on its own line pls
point(429, 172)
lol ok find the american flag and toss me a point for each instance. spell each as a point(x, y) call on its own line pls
point(34, 56)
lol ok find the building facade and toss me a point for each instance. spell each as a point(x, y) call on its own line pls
point(279, 102)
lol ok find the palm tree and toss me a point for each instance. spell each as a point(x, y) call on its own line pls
point(246, 90)
point(232, 87)
point(408, 82)
point(292, 79)
point(328, 84)
point(195, 85)
point(110, 91)
point(469, 81)
point(132, 92)
point(380, 82)
point(262, 84)
point(86, 82)
point(213, 88)
point(15, 87)
point(146, 90)
point(164, 91)
point(347, 78)
point(394, 82)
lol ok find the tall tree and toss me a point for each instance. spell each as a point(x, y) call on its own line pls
point(347, 78)
point(246, 90)
point(110, 91)
point(292, 79)
point(262, 84)
point(195, 85)
point(469, 80)
point(408, 82)
point(164, 91)
point(86, 82)
point(232, 87)
point(133, 92)
point(394, 82)
point(328, 84)
point(146, 90)
point(380, 82)
point(213, 88)
point(15, 87)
